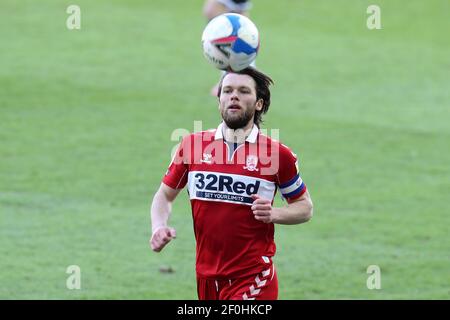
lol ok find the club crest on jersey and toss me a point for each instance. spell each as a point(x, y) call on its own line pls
point(207, 158)
point(251, 163)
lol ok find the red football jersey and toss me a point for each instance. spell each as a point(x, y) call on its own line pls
point(231, 243)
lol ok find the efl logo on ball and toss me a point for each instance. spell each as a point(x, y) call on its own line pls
point(230, 41)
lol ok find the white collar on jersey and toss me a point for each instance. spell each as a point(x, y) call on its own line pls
point(251, 137)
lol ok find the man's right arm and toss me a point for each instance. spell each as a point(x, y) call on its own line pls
point(160, 212)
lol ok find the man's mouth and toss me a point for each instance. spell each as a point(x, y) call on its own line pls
point(234, 107)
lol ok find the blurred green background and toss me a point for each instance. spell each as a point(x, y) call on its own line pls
point(86, 118)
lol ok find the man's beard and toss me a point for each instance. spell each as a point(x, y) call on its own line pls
point(237, 122)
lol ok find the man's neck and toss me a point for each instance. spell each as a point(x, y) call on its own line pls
point(238, 135)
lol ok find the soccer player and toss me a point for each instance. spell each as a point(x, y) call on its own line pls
point(232, 174)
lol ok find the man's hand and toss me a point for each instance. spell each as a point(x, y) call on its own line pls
point(262, 209)
point(161, 237)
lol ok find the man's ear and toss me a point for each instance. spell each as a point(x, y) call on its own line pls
point(259, 104)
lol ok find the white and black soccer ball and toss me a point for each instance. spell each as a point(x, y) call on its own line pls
point(230, 41)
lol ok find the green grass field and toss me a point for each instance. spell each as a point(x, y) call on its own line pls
point(86, 118)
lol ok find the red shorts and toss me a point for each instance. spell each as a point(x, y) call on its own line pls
point(260, 286)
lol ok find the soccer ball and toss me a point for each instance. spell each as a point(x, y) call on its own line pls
point(230, 41)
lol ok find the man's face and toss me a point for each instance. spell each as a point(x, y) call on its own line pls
point(237, 101)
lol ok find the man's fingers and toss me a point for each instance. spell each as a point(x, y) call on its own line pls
point(166, 234)
point(262, 209)
point(265, 206)
point(262, 201)
point(155, 247)
point(158, 244)
point(170, 233)
point(261, 213)
point(265, 219)
point(164, 239)
point(161, 237)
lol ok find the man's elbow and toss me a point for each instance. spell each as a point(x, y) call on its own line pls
point(308, 213)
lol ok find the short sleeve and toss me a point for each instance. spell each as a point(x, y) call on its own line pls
point(177, 173)
point(290, 182)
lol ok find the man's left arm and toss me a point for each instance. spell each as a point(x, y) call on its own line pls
point(297, 211)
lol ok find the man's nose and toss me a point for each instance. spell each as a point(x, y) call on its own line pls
point(234, 95)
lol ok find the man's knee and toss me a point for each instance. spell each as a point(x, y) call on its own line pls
point(212, 9)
